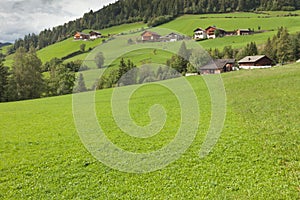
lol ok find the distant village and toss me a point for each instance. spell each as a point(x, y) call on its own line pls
point(216, 66)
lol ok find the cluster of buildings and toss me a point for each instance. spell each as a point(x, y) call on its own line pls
point(213, 32)
point(149, 36)
point(92, 35)
point(218, 66)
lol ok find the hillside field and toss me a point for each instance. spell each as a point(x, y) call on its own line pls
point(233, 21)
point(256, 157)
point(268, 21)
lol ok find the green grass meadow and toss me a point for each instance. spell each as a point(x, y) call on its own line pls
point(256, 157)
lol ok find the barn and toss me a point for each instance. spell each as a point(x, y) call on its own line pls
point(255, 62)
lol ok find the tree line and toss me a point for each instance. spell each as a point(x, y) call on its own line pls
point(153, 12)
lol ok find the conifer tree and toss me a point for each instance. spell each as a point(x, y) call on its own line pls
point(3, 82)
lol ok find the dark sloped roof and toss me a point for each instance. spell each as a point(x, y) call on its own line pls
point(218, 63)
point(251, 59)
point(199, 29)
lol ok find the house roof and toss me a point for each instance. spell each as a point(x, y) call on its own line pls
point(95, 33)
point(199, 29)
point(80, 33)
point(214, 27)
point(173, 34)
point(245, 30)
point(252, 59)
point(217, 64)
point(149, 34)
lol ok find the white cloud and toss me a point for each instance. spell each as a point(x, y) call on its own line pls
point(20, 17)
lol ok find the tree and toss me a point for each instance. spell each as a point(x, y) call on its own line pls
point(284, 50)
point(82, 47)
point(191, 68)
point(99, 59)
point(66, 80)
point(3, 82)
point(183, 51)
point(26, 81)
point(269, 50)
point(127, 74)
point(61, 80)
point(249, 50)
point(217, 33)
point(295, 46)
point(146, 74)
point(198, 59)
point(228, 52)
point(178, 63)
point(81, 84)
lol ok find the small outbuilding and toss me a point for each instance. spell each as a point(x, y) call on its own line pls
point(255, 62)
point(244, 32)
point(218, 66)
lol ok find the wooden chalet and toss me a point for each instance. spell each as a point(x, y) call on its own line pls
point(211, 32)
point(95, 35)
point(255, 62)
point(200, 34)
point(149, 36)
point(81, 36)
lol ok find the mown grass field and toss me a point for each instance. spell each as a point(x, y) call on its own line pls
point(256, 157)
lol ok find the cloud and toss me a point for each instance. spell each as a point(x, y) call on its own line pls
point(20, 17)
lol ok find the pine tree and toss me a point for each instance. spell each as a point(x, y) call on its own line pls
point(183, 52)
point(284, 51)
point(99, 59)
point(81, 84)
point(3, 82)
point(269, 50)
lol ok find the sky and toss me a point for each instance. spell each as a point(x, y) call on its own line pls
point(20, 17)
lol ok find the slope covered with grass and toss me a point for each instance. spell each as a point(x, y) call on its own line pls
point(234, 21)
point(256, 157)
point(268, 21)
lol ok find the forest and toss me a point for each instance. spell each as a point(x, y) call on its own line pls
point(152, 12)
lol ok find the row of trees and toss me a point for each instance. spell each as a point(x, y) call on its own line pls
point(25, 80)
point(128, 74)
point(153, 12)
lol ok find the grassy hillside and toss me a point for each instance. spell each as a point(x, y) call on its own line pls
point(233, 21)
point(268, 21)
point(257, 156)
point(69, 46)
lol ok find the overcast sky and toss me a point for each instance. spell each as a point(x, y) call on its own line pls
point(20, 17)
